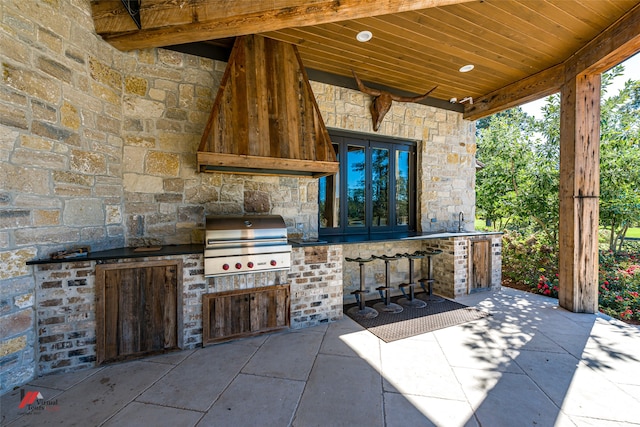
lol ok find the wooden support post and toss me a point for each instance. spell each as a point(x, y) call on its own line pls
point(579, 193)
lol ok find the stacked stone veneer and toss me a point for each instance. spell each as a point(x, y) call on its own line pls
point(98, 148)
point(316, 285)
point(65, 316)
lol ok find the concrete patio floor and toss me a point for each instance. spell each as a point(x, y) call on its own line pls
point(529, 364)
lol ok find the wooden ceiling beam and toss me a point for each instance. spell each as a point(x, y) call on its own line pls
point(167, 23)
point(618, 42)
point(529, 89)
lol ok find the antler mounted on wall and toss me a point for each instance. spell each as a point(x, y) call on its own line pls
point(382, 100)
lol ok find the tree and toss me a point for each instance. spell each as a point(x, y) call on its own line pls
point(620, 163)
point(519, 184)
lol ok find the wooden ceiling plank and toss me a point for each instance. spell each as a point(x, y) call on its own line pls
point(375, 81)
point(514, 16)
point(620, 5)
point(578, 12)
point(619, 41)
point(500, 41)
point(240, 18)
point(380, 58)
point(393, 41)
point(458, 46)
point(612, 46)
point(375, 70)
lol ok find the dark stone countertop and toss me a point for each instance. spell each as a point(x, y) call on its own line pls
point(169, 250)
point(119, 253)
point(386, 237)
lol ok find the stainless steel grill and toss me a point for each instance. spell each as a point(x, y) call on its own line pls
point(245, 244)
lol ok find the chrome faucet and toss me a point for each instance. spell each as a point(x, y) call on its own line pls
point(460, 221)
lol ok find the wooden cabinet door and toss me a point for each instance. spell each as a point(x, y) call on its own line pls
point(230, 315)
point(235, 314)
point(480, 277)
point(269, 310)
point(137, 310)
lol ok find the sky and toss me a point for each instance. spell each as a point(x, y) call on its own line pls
point(631, 71)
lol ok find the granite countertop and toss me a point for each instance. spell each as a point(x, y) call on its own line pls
point(169, 250)
point(367, 238)
point(119, 253)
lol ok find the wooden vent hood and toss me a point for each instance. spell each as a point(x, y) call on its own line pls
point(265, 119)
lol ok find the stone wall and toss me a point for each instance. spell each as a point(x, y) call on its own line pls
point(446, 150)
point(316, 285)
point(450, 268)
point(496, 261)
point(97, 148)
point(65, 316)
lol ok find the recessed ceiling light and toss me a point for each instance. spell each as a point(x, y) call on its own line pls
point(364, 36)
point(466, 68)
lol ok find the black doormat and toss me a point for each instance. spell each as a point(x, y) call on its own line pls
point(415, 321)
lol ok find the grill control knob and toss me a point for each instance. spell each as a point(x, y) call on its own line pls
point(238, 266)
point(250, 264)
point(225, 267)
point(273, 262)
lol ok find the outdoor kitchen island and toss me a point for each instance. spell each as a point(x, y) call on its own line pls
point(319, 280)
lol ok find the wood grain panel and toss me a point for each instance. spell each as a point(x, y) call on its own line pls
point(167, 22)
point(126, 311)
point(233, 314)
point(265, 94)
point(480, 263)
point(579, 192)
point(137, 309)
point(237, 103)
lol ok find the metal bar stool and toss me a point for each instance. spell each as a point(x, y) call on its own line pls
point(427, 283)
point(361, 311)
point(410, 300)
point(386, 306)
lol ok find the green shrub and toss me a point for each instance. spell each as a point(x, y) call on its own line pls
point(531, 261)
point(619, 285)
point(526, 258)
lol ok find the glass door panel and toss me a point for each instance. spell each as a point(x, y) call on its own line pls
point(402, 187)
point(380, 187)
point(356, 187)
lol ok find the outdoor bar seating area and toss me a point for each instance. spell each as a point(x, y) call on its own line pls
point(385, 290)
